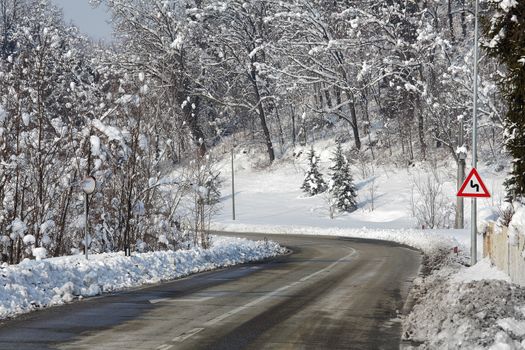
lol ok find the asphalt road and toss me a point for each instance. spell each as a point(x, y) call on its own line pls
point(330, 293)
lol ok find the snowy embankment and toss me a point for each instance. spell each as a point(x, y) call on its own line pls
point(475, 307)
point(466, 308)
point(455, 306)
point(35, 284)
point(430, 242)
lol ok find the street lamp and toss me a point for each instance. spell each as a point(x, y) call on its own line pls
point(88, 185)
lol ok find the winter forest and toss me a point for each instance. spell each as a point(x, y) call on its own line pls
point(390, 79)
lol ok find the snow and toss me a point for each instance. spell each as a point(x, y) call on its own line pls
point(517, 225)
point(467, 308)
point(95, 145)
point(455, 306)
point(35, 284)
point(428, 241)
point(26, 118)
point(461, 150)
point(143, 142)
point(111, 132)
point(507, 5)
point(513, 326)
point(46, 226)
point(3, 114)
point(39, 253)
point(273, 200)
point(18, 227)
point(29, 239)
point(483, 270)
point(163, 239)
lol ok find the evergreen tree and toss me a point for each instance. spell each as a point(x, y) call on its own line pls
point(506, 42)
point(342, 184)
point(213, 186)
point(313, 181)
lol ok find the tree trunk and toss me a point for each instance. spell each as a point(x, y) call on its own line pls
point(463, 20)
point(262, 115)
point(353, 117)
point(292, 111)
point(421, 130)
point(451, 21)
point(368, 124)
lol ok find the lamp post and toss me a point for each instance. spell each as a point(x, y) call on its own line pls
point(88, 186)
point(474, 213)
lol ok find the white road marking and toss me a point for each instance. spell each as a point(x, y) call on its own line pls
point(165, 347)
point(193, 299)
point(271, 294)
point(168, 300)
point(186, 335)
point(155, 301)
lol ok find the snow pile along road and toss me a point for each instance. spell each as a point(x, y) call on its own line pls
point(33, 284)
point(430, 242)
point(466, 308)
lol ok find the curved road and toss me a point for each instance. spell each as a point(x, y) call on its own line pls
point(330, 293)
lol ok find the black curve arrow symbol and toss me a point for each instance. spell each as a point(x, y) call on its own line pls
point(473, 185)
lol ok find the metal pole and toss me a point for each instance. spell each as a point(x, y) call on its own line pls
point(233, 190)
point(460, 202)
point(474, 219)
point(86, 227)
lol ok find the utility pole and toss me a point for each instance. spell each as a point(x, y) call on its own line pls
point(474, 212)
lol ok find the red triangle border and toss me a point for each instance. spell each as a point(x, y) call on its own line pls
point(473, 173)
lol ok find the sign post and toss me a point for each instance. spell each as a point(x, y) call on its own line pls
point(88, 186)
point(474, 212)
point(474, 188)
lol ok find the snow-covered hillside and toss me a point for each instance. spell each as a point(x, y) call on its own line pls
point(270, 200)
point(454, 304)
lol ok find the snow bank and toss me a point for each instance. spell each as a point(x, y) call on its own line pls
point(483, 270)
point(428, 241)
point(466, 308)
point(34, 284)
point(517, 225)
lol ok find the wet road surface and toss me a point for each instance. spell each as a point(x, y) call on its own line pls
point(329, 293)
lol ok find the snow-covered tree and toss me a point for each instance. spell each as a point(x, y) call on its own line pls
point(341, 185)
point(506, 41)
point(313, 183)
point(239, 41)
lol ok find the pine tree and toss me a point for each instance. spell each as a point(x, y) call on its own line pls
point(313, 183)
point(213, 185)
point(506, 42)
point(342, 186)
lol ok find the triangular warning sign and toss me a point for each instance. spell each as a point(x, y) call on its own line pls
point(473, 186)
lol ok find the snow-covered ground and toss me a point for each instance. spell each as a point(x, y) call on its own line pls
point(270, 200)
point(456, 306)
point(34, 284)
point(466, 308)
